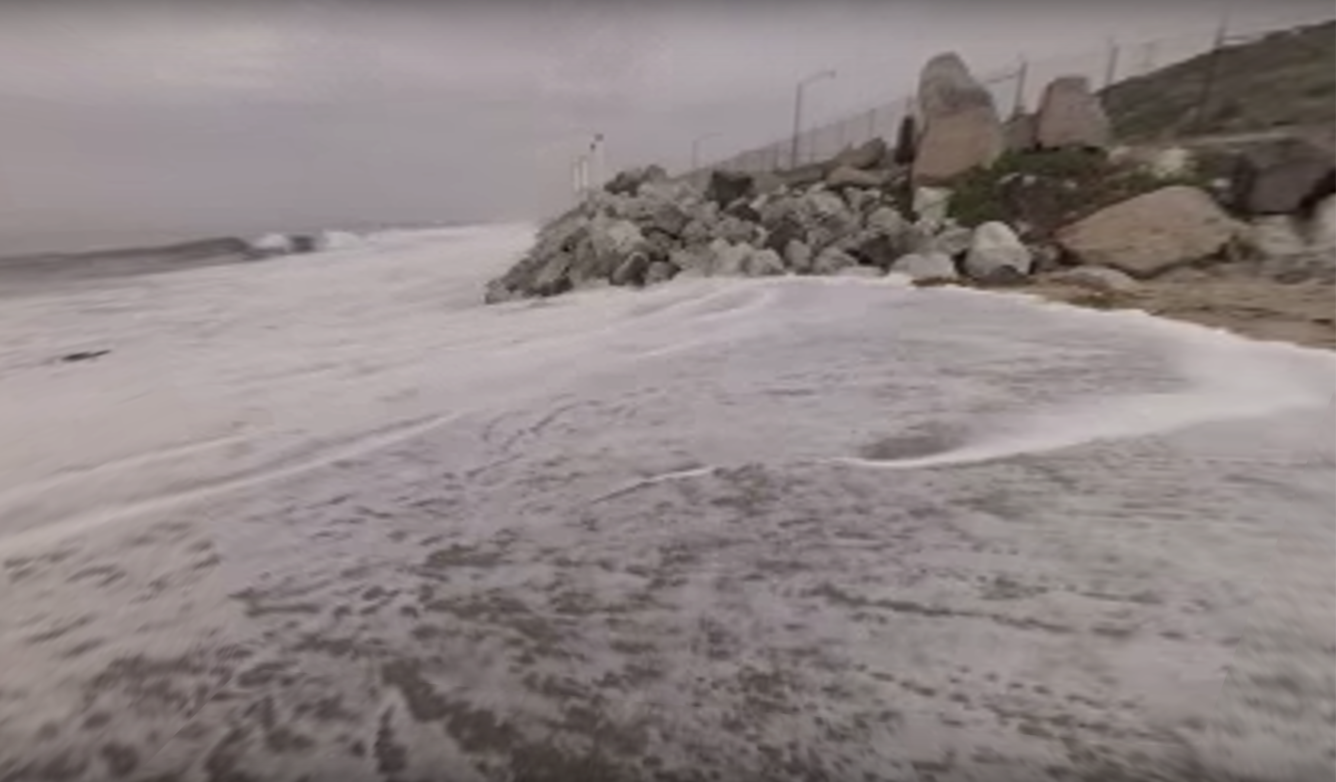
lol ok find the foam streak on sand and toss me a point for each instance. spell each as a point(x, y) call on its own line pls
point(1227, 378)
point(332, 517)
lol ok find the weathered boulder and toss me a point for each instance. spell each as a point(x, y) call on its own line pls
point(961, 127)
point(870, 154)
point(698, 232)
point(1273, 236)
point(880, 242)
point(885, 220)
point(1152, 233)
point(780, 234)
point(926, 267)
point(658, 272)
point(994, 246)
point(611, 242)
point(497, 293)
point(729, 260)
point(1021, 133)
point(953, 240)
point(697, 260)
point(734, 230)
point(862, 201)
point(849, 177)
point(831, 260)
point(932, 203)
point(743, 210)
point(1096, 278)
point(826, 217)
point(629, 182)
point(1278, 177)
point(872, 248)
point(1070, 115)
point(667, 215)
point(764, 263)
point(798, 256)
point(725, 187)
point(632, 270)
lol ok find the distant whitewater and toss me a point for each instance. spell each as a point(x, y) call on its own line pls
point(39, 271)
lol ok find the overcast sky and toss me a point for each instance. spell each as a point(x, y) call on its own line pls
point(123, 121)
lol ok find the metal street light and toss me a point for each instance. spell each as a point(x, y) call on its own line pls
point(695, 148)
point(798, 110)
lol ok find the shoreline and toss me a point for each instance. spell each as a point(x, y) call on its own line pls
point(1300, 313)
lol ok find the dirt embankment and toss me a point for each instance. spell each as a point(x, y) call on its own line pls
point(1303, 313)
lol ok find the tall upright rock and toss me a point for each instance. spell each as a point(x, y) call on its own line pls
point(1070, 115)
point(961, 127)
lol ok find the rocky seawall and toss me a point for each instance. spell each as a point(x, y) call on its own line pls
point(1048, 202)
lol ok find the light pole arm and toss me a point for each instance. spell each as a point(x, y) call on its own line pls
point(798, 111)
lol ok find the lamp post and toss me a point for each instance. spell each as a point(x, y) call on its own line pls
point(798, 110)
point(695, 148)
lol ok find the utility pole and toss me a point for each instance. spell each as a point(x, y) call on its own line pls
point(798, 110)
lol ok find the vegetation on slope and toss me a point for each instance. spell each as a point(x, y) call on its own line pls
point(1286, 78)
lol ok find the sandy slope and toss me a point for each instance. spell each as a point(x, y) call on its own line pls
point(331, 517)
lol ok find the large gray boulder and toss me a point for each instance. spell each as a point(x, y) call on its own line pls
point(961, 126)
point(659, 272)
point(926, 267)
point(994, 246)
point(831, 260)
point(1279, 177)
point(735, 230)
point(632, 270)
point(951, 241)
point(1152, 233)
point(932, 204)
point(1070, 115)
point(611, 242)
point(630, 181)
point(798, 256)
point(728, 259)
point(725, 187)
point(886, 221)
point(764, 263)
point(827, 218)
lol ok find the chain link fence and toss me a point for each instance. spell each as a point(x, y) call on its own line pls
point(1015, 89)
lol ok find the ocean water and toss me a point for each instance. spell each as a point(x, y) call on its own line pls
point(329, 515)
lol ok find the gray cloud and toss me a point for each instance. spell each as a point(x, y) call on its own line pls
point(147, 117)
